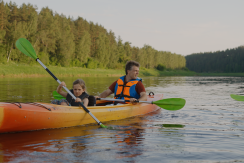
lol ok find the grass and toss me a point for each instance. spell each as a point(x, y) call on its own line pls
point(36, 70)
point(23, 70)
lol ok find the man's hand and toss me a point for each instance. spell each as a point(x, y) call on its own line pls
point(96, 97)
point(133, 101)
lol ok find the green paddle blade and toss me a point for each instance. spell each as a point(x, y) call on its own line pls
point(25, 47)
point(57, 96)
point(171, 103)
point(237, 97)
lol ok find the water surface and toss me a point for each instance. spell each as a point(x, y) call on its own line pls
point(208, 129)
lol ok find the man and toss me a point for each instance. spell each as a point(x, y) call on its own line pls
point(128, 87)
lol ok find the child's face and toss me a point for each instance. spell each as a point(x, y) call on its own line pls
point(78, 90)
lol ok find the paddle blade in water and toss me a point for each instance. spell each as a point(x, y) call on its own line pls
point(25, 47)
point(107, 127)
point(57, 96)
point(237, 97)
point(170, 125)
point(171, 103)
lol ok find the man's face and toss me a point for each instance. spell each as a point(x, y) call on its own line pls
point(134, 72)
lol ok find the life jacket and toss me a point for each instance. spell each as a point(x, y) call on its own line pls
point(72, 101)
point(127, 91)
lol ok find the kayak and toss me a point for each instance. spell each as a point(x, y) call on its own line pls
point(17, 117)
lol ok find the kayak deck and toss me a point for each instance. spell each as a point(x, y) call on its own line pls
point(15, 117)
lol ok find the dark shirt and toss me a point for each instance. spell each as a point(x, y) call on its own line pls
point(72, 101)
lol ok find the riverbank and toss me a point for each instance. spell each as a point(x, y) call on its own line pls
point(36, 70)
point(221, 74)
point(23, 70)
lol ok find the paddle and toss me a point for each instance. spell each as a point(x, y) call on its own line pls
point(237, 97)
point(25, 47)
point(57, 96)
point(171, 104)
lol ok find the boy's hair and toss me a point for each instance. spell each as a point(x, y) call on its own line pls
point(81, 82)
point(129, 65)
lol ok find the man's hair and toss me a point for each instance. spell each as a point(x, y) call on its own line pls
point(129, 65)
point(80, 82)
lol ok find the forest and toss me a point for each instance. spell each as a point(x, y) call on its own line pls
point(62, 41)
point(227, 61)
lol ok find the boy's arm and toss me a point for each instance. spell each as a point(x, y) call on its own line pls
point(59, 89)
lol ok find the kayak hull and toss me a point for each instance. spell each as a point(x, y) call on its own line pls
point(16, 117)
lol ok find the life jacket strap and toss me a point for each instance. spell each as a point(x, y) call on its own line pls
point(124, 85)
point(122, 95)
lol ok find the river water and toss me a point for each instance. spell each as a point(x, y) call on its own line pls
point(210, 128)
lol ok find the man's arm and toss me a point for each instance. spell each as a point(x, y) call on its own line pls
point(143, 96)
point(140, 89)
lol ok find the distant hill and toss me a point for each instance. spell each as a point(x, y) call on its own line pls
point(230, 60)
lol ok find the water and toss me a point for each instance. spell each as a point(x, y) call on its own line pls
point(210, 128)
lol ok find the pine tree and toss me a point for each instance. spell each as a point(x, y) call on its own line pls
point(82, 49)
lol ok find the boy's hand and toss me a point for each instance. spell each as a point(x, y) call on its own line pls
point(78, 100)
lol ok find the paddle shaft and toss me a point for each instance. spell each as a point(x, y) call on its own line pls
point(171, 104)
point(71, 94)
point(121, 100)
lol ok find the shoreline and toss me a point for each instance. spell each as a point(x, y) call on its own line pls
point(47, 75)
point(14, 70)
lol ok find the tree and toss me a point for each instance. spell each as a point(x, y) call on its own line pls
point(65, 44)
point(103, 50)
point(82, 49)
point(63, 41)
point(121, 51)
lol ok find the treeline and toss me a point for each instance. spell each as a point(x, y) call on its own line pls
point(63, 41)
point(230, 60)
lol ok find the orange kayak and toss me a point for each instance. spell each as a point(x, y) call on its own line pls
point(16, 117)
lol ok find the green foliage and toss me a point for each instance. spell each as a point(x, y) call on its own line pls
point(54, 61)
point(121, 51)
point(228, 61)
point(62, 41)
point(83, 47)
point(2, 35)
point(92, 64)
point(76, 63)
point(185, 69)
point(2, 54)
point(161, 67)
point(44, 58)
point(169, 69)
point(103, 50)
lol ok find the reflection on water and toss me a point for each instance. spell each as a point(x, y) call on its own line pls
point(210, 128)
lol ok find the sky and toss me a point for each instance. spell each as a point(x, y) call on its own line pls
point(178, 26)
